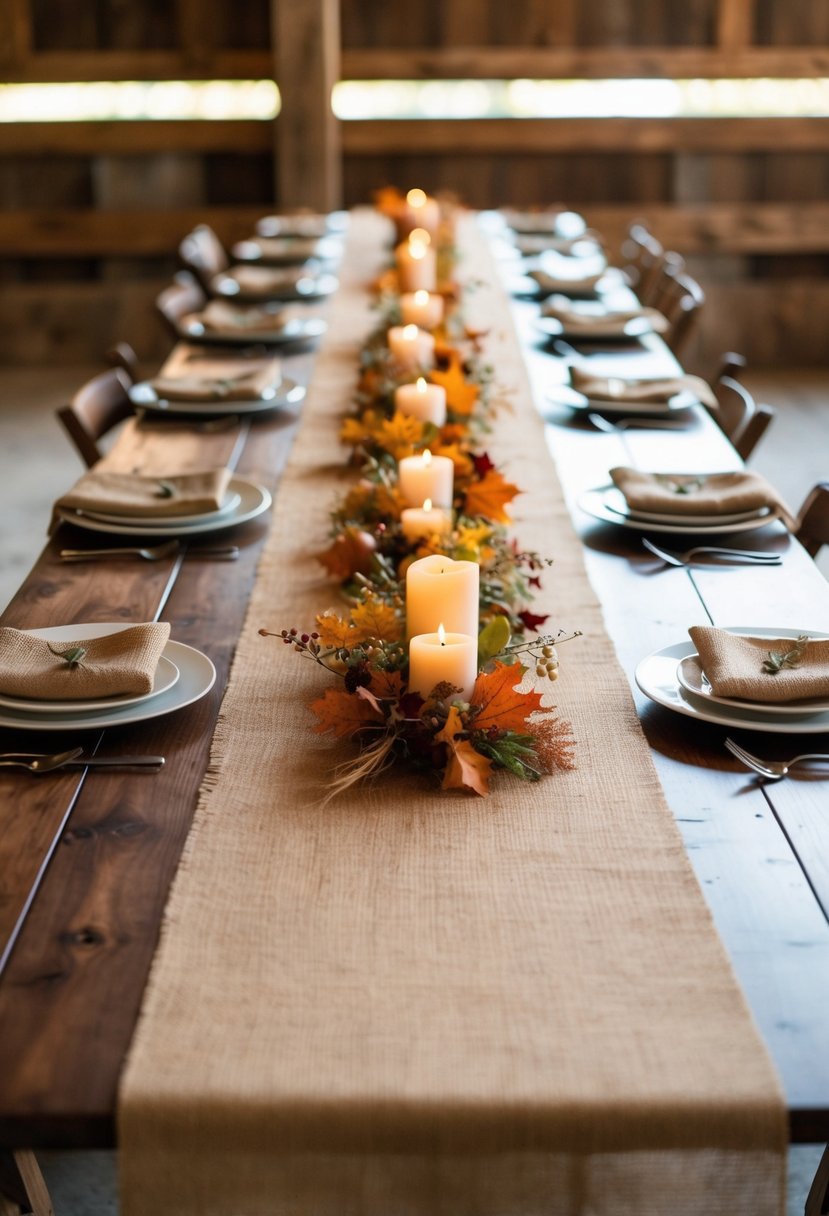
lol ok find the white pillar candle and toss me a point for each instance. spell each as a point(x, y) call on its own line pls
point(422, 400)
point(440, 589)
point(443, 657)
point(421, 308)
point(416, 265)
point(412, 348)
point(422, 212)
point(426, 476)
point(418, 522)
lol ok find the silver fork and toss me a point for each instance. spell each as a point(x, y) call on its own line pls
point(642, 424)
point(74, 759)
point(773, 769)
point(721, 556)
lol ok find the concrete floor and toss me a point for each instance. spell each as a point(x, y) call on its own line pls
point(37, 462)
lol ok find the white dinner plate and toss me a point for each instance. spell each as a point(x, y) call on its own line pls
point(598, 504)
point(287, 250)
point(575, 289)
point(306, 287)
point(657, 677)
point(615, 499)
point(691, 676)
point(232, 501)
point(307, 225)
point(166, 675)
point(196, 677)
point(570, 398)
point(297, 329)
point(253, 500)
point(286, 393)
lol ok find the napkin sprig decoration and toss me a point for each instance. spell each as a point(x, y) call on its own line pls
point(778, 659)
point(73, 657)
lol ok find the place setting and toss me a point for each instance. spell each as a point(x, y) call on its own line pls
point(222, 323)
point(694, 504)
point(164, 506)
point(207, 385)
point(287, 250)
point(763, 679)
point(597, 320)
point(255, 284)
point(96, 674)
point(310, 225)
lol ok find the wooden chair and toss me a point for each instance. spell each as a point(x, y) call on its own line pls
point(739, 416)
point(122, 355)
point(184, 295)
point(203, 255)
point(642, 256)
point(813, 522)
point(95, 409)
point(680, 298)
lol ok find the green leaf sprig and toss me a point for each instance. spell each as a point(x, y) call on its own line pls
point(73, 657)
point(778, 659)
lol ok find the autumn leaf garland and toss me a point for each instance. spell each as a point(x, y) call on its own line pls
point(504, 724)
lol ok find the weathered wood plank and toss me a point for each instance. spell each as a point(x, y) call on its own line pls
point(735, 24)
point(307, 65)
point(133, 138)
point(15, 36)
point(114, 232)
point(539, 63)
point(45, 66)
point(547, 136)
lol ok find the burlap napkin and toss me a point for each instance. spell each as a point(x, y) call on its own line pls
point(135, 494)
point(609, 322)
point(689, 494)
point(121, 664)
point(550, 283)
point(262, 279)
point(633, 390)
point(220, 382)
point(735, 667)
point(220, 316)
point(286, 248)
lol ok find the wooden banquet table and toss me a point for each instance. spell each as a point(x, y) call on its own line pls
point(87, 859)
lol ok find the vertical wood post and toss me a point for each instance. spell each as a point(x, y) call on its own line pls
point(306, 36)
point(15, 33)
point(735, 24)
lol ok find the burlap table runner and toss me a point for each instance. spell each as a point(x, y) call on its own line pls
point(421, 1003)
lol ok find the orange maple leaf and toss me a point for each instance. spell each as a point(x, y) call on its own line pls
point(466, 769)
point(399, 434)
point(461, 395)
point(350, 553)
point(333, 630)
point(344, 714)
point(489, 496)
point(500, 701)
point(386, 684)
point(460, 459)
point(374, 619)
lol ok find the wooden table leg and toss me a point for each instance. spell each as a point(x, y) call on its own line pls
point(22, 1187)
point(817, 1201)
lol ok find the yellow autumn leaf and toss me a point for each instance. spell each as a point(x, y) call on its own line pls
point(375, 619)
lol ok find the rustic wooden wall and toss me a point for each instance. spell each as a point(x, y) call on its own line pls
point(90, 213)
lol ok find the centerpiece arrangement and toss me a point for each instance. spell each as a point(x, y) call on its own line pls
point(433, 646)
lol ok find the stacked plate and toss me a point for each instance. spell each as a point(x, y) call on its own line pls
point(673, 677)
point(285, 394)
point(313, 285)
point(183, 676)
point(293, 329)
point(607, 503)
point(243, 501)
point(569, 397)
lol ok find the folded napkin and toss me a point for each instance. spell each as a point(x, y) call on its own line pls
point(286, 248)
point(532, 244)
point(221, 316)
point(689, 494)
point(604, 321)
point(131, 494)
point(224, 382)
point(737, 666)
point(121, 664)
point(262, 279)
point(633, 390)
point(550, 283)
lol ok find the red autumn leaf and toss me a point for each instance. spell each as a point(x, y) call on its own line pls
point(349, 554)
point(466, 769)
point(502, 704)
point(482, 464)
point(489, 496)
point(344, 714)
point(532, 621)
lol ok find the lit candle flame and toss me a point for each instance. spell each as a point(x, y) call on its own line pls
point(419, 236)
point(421, 298)
point(427, 456)
point(409, 333)
point(421, 384)
point(441, 635)
point(417, 250)
point(427, 504)
point(416, 198)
